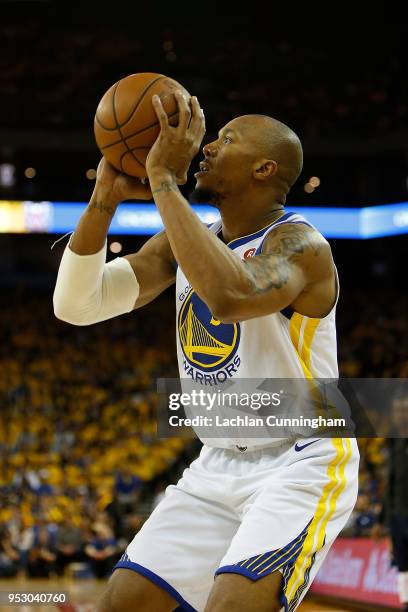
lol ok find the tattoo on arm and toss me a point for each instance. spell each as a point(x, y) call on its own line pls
point(272, 269)
point(266, 272)
point(291, 242)
point(166, 187)
point(102, 208)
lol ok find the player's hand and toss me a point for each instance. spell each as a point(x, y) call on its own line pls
point(176, 147)
point(117, 186)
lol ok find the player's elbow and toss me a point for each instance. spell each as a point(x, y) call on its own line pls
point(225, 310)
point(68, 314)
point(231, 304)
point(236, 308)
point(72, 320)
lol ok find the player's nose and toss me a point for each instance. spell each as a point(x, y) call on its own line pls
point(210, 149)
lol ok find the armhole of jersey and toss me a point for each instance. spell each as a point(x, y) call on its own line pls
point(288, 312)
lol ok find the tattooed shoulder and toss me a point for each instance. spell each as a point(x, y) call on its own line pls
point(293, 240)
point(287, 245)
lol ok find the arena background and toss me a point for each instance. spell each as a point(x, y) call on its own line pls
point(81, 466)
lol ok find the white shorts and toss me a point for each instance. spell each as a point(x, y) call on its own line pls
point(249, 513)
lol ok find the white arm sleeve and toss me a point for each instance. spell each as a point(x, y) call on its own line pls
point(88, 290)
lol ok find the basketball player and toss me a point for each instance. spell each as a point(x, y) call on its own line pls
point(247, 526)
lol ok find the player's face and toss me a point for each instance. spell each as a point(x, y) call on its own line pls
point(228, 164)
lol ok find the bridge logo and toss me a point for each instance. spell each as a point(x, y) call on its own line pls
point(207, 343)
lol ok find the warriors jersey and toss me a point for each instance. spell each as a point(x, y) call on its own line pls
point(272, 505)
point(283, 344)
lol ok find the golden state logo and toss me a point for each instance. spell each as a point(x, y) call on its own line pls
point(209, 346)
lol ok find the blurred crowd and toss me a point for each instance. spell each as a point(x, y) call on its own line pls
point(373, 334)
point(373, 337)
point(80, 462)
point(319, 88)
point(81, 466)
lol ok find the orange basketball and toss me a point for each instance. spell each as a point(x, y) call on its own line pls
point(126, 124)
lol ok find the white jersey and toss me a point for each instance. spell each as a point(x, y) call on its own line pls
point(279, 345)
point(273, 505)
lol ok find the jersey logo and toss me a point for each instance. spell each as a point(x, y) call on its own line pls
point(299, 448)
point(206, 342)
point(249, 253)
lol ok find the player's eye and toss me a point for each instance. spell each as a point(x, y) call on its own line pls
point(226, 140)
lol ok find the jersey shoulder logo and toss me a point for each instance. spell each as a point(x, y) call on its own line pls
point(207, 343)
point(249, 253)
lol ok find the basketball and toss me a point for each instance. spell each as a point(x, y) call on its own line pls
point(126, 125)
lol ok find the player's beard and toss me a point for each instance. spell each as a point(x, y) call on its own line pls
point(201, 195)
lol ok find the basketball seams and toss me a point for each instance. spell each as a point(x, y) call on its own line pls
point(119, 130)
point(102, 126)
point(133, 155)
point(99, 122)
point(115, 104)
point(134, 109)
point(142, 95)
point(149, 127)
point(120, 126)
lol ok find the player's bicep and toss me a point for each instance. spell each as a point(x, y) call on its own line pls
point(293, 260)
point(154, 267)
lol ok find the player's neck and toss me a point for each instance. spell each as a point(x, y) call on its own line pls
point(234, 226)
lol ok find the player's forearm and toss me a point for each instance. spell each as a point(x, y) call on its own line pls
point(204, 259)
point(88, 289)
point(90, 234)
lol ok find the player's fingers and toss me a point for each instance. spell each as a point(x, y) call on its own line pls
point(161, 113)
point(184, 112)
point(203, 127)
point(197, 125)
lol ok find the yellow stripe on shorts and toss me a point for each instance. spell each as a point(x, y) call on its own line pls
point(324, 511)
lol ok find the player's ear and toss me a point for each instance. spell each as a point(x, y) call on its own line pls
point(264, 169)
